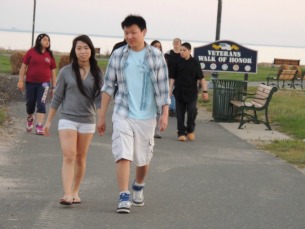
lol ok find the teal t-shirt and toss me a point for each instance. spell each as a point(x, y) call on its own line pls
point(141, 99)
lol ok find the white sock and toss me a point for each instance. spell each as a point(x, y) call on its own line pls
point(137, 184)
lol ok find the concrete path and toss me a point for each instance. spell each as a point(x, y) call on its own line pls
point(218, 181)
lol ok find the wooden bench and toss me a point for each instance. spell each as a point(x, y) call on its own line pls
point(255, 102)
point(278, 61)
point(285, 75)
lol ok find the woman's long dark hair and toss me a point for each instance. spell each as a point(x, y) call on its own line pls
point(38, 46)
point(94, 68)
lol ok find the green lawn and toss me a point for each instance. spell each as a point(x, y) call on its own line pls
point(5, 66)
point(286, 114)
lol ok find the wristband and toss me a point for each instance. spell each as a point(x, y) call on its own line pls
point(52, 87)
point(204, 91)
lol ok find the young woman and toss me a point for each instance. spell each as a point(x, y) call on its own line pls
point(157, 44)
point(39, 67)
point(78, 93)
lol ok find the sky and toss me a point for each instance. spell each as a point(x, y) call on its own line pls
point(262, 22)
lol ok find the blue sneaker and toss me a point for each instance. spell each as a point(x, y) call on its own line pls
point(138, 195)
point(124, 203)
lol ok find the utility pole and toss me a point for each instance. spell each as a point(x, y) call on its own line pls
point(33, 28)
point(218, 20)
point(218, 25)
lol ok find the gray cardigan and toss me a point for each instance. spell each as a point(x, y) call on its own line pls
point(74, 105)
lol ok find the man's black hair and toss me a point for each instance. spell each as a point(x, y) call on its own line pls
point(187, 45)
point(134, 20)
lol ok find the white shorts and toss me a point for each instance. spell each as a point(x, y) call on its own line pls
point(83, 128)
point(133, 139)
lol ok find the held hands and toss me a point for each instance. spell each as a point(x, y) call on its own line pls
point(101, 126)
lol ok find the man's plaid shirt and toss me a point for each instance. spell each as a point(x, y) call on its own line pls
point(155, 61)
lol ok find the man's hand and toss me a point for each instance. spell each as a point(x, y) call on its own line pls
point(205, 96)
point(163, 122)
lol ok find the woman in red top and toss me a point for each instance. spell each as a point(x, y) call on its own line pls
point(40, 69)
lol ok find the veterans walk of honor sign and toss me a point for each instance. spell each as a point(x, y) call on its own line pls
point(226, 56)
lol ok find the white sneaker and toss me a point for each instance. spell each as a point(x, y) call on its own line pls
point(124, 203)
point(138, 195)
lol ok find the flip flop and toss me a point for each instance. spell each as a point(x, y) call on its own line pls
point(66, 200)
point(76, 200)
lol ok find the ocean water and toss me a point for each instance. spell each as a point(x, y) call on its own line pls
point(63, 43)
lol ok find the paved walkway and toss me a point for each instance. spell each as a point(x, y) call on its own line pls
point(218, 181)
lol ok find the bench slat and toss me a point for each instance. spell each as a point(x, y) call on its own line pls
point(263, 90)
point(279, 61)
point(263, 86)
point(258, 103)
point(241, 103)
point(287, 74)
point(262, 94)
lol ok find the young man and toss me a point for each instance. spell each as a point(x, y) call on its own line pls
point(186, 74)
point(171, 57)
point(143, 90)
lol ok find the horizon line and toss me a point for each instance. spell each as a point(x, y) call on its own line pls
point(114, 36)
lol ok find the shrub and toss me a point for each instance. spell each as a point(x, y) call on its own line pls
point(16, 61)
point(298, 68)
point(63, 61)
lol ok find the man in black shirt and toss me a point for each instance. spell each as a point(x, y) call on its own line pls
point(186, 74)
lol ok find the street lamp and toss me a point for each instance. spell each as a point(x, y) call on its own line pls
point(33, 28)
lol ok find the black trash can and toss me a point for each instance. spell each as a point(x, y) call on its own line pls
point(223, 93)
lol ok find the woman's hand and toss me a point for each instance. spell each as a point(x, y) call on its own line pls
point(46, 129)
point(20, 85)
point(52, 91)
